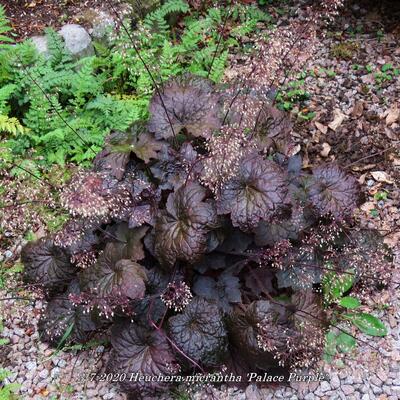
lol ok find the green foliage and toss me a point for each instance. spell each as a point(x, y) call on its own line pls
point(109, 91)
point(294, 95)
point(5, 275)
point(349, 302)
point(367, 324)
point(344, 50)
point(333, 287)
point(5, 30)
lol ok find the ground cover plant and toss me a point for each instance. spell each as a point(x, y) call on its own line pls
point(202, 275)
point(197, 242)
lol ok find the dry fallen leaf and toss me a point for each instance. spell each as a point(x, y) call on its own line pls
point(381, 176)
point(338, 119)
point(326, 148)
point(392, 239)
point(396, 162)
point(361, 179)
point(363, 167)
point(322, 128)
point(393, 115)
point(358, 109)
point(368, 206)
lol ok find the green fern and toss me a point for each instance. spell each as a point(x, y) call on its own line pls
point(156, 21)
point(59, 56)
point(111, 90)
point(11, 125)
point(5, 29)
point(218, 66)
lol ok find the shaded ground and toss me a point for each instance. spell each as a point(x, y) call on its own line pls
point(30, 17)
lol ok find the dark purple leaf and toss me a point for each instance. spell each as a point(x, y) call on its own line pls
point(210, 262)
point(223, 291)
point(301, 271)
point(236, 241)
point(62, 317)
point(119, 146)
point(243, 327)
point(259, 281)
point(199, 332)
point(47, 265)
point(333, 191)
point(280, 228)
point(308, 306)
point(181, 231)
point(151, 305)
point(191, 104)
point(114, 274)
point(129, 240)
point(139, 350)
point(257, 193)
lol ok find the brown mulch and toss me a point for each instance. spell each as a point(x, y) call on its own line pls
point(30, 17)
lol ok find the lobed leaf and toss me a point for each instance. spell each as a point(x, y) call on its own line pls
point(200, 332)
point(256, 194)
point(181, 231)
point(189, 103)
point(114, 274)
point(333, 191)
point(47, 265)
point(137, 349)
point(223, 291)
point(63, 321)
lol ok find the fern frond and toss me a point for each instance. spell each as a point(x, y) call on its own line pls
point(156, 21)
point(5, 93)
point(11, 125)
point(5, 28)
point(218, 67)
point(58, 53)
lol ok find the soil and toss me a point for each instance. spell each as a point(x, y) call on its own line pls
point(31, 17)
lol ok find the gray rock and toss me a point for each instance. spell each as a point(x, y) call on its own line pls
point(375, 381)
point(77, 40)
point(61, 363)
point(44, 374)
point(325, 386)
point(347, 389)
point(335, 382)
point(396, 389)
point(253, 393)
point(31, 365)
point(8, 254)
point(376, 389)
point(55, 372)
point(41, 45)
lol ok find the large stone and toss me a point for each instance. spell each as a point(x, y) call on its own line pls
point(77, 40)
point(41, 45)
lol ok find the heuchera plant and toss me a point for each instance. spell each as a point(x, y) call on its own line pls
point(184, 278)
